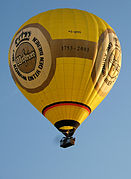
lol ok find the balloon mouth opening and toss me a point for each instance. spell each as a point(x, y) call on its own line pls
point(67, 126)
point(68, 133)
point(67, 130)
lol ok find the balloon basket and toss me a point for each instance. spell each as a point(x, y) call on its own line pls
point(67, 142)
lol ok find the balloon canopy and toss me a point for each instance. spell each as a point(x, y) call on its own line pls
point(65, 62)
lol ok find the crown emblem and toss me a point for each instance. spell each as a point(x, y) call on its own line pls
point(22, 37)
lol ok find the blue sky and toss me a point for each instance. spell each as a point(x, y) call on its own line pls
point(29, 147)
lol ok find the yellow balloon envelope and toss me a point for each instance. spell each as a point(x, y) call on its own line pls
point(65, 61)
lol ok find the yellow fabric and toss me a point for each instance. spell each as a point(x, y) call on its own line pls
point(72, 79)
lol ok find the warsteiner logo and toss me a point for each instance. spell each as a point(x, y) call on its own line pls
point(113, 65)
point(30, 58)
point(25, 57)
point(108, 62)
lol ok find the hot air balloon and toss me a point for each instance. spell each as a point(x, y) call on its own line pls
point(65, 62)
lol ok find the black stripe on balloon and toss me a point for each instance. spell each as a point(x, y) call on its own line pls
point(63, 102)
point(62, 123)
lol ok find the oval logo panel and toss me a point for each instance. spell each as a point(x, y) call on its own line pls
point(30, 58)
point(107, 64)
